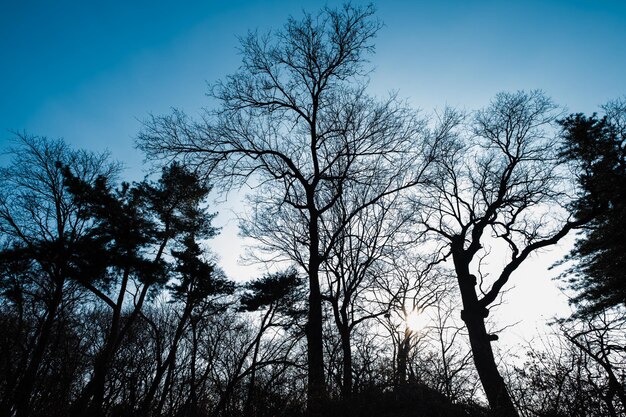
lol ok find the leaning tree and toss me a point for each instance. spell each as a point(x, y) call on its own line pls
point(500, 191)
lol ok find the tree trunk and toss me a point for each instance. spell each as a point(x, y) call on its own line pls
point(341, 321)
point(90, 400)
point(92, 395)
point(403, 356)
point(316, 389)
point(167, 364)
point(474, 315)
point(346, 387)
point(493, 383)
point(99, 382)
point(247, 410)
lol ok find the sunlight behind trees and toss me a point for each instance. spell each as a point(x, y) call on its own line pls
point(387, 240)
point(416, 321)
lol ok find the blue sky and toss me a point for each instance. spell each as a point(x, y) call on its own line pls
point(90, 71)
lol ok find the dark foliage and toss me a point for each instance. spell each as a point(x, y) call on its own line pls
point(597, 148)
point(283, 290)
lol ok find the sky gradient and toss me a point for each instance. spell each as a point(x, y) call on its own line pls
point(91, 71)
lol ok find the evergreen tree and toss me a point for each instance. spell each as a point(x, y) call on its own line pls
point(597, 147)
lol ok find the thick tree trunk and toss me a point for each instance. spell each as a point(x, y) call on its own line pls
point(493, 383)
point(474, 315)
point(91, 398)
point(99, 379)
point(316, 389)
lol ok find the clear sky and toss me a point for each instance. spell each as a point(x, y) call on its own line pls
point(89, 71)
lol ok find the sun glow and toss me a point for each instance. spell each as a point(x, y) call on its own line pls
point(415, 321)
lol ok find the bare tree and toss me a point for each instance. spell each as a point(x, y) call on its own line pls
point(498, 187)
point(295, 122)
point(355, 264)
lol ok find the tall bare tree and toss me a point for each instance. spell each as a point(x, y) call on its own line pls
point(414, 285)
point(295, 122)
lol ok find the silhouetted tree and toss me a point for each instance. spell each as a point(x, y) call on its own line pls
point(40, 225)
point(411, 286)
point(499, 184)
point(357, 261)
point(198, 280)
point(597, 148)
point(128, 223)
point(295, 122)
point(282, 297)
